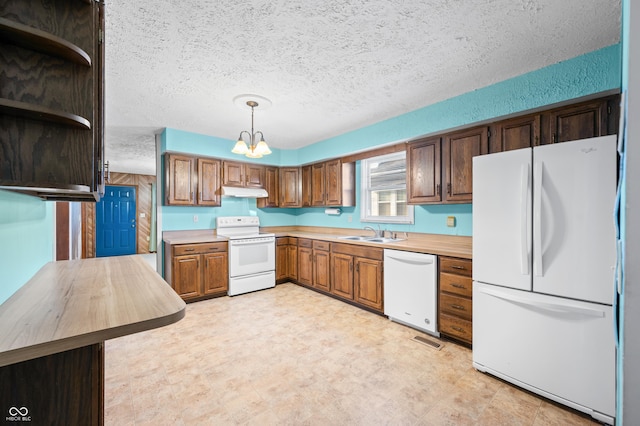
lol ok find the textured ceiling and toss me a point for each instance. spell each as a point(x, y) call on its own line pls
point(328, 67)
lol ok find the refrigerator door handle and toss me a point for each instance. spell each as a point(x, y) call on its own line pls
point(537, 219)
point(524, 216)
point(550, 307)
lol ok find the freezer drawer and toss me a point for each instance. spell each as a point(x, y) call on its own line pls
point(562, 349)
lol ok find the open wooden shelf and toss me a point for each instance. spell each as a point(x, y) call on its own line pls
point(36, 112)
point(41, 41)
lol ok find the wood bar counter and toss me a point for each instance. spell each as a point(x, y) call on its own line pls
point(52, 333)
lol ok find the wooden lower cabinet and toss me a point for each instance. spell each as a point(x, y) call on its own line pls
point(367, 282)
point(305, 262)
point(342, 275)
point(357, 274)
point(197, 271)
point(455, 302)
point(65, 388)
point(321, 266)
point(286, 259)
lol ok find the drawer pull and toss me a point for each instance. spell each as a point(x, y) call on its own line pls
point(190, 249)
point(460, 329)
point(458, 267)
point(456, 285)
point(458, 307)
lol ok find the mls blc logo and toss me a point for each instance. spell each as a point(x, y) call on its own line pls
point(18, 414)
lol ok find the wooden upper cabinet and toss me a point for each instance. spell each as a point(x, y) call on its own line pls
point(290, 187)
point(233, 173)
point(333, 183)
point(52, 99)
point(208, 182)
point(515, 133)
point(306, 185)
point(423, 172)
point(179, 179)
point(317, 184)
point(586, 120)
point(459, 149)
point(254, 175)
point(271, 185)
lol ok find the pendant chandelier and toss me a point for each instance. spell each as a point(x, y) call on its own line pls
point(251, 148)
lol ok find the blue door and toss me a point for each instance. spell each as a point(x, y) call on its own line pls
point(116, 222)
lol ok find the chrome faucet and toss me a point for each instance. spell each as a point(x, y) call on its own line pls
point(377, 233)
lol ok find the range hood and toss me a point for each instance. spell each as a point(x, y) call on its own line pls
point(233, 191)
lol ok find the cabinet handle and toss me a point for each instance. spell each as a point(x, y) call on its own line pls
point(200, 196)
point(449, 189)
point(438, 189)
point(553, 138)
point(458, 267)
point(461, 330)
point(191, 249)
point(456, 285)
point(458, 307)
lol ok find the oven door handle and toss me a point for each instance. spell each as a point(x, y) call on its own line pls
point(250, 243)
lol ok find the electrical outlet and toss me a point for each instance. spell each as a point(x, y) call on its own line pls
point(195, 218)
point(451, 221)
point(349, 218)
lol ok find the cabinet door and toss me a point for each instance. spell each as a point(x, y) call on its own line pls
point(459, 149)
point(271, 186)
point(254, 175)
point(186, 275)
point(305, 265)
point(290, 187)
point(516, 133)
point(292, 262)
point(306, 186)
point(333, 183)
point(282, 258)
point(215, 273)
point(208, 182)
point(321, 271)
point(368, 282)
point(423, 177)
point(317, 184)
point(581, 121)
point(233, 173)
point(179, 179)
point(342, 275)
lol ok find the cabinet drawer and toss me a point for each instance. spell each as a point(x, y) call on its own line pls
point(455, 266)
point(452, 283)
point(455, 305)
point(282, 241)
point(320, 245)
point(456, 327)
point(199, 248)
point(304, 242)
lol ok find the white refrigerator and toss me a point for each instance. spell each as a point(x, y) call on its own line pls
point(543, 269)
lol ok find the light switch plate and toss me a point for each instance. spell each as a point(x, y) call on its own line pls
point(451, 221)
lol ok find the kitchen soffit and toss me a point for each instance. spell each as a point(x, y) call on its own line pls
point(329, 67)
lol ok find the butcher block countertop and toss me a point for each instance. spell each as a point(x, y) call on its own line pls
point(71, 304)
point(442, 245)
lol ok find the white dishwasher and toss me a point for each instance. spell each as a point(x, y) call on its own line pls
point(411, 290)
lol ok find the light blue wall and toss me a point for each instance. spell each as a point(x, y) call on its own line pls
point(592, 73)
point(26, 239)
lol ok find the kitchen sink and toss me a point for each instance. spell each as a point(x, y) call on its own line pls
point(371, 239)
point(383, 240)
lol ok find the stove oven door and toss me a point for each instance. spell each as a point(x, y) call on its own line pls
point(251, 256)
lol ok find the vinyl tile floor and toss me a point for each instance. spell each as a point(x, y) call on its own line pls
point(291, 356)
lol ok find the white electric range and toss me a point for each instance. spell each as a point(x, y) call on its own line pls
point(252, 255)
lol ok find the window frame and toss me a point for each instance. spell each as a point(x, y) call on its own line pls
point(365, 192)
